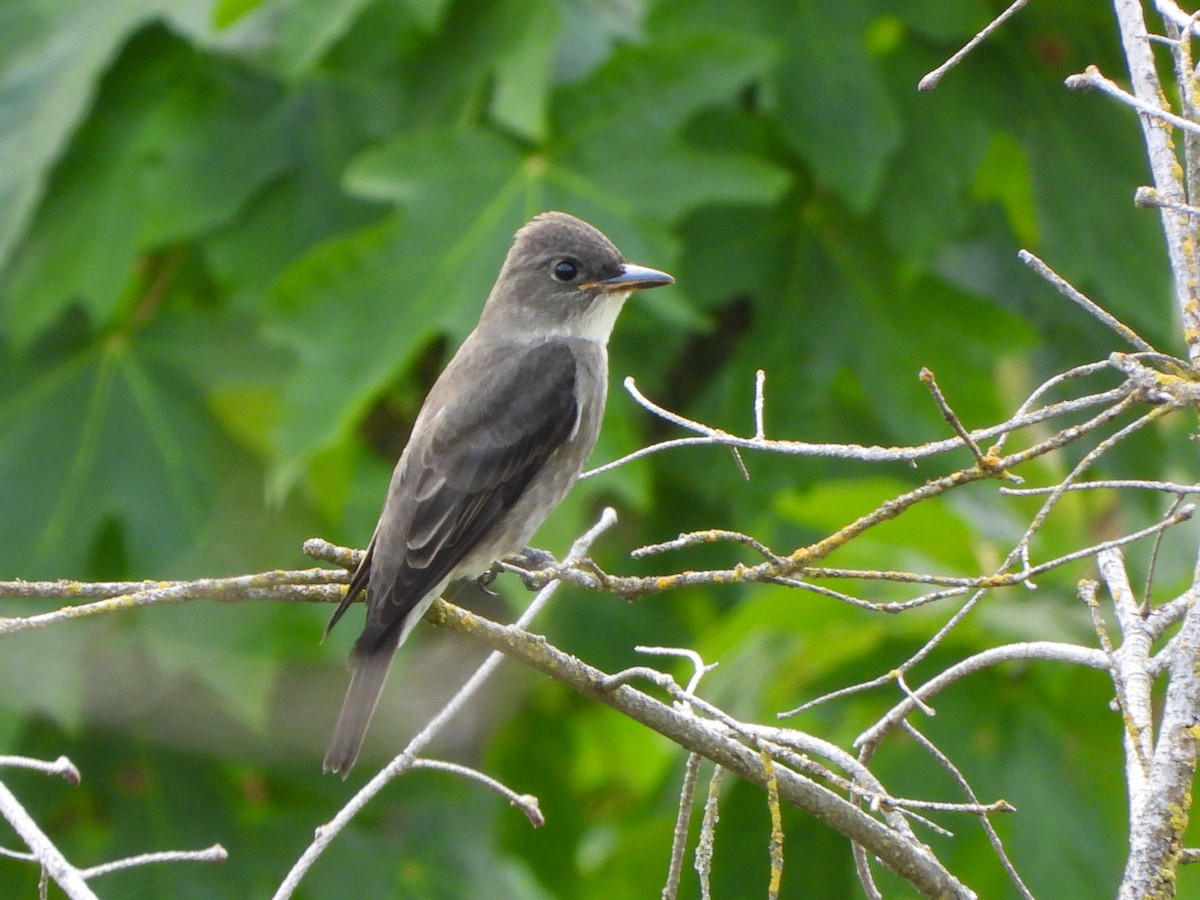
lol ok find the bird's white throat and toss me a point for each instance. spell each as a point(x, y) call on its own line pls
point(597, 321)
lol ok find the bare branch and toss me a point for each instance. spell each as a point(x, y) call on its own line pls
point(51, 859)
point(527, 803)
point(1069, 291)
point(1166, 487)
point(687, 796)
point(215, 853)
point(312, 585)
point(952, 418)
point(403, 762)
point(62, 767)
point(775, 845)
point(1164, 164)
point(932, 79)
point(1148, 198)
point(710, 437)
point(708, 828)
point(1092, 78)
point(43, 851)
point(1050, 651)
point(911, 862)
point(984, 821)
point(1159, 821)
point(696, 538)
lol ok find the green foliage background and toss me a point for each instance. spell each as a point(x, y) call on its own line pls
point(238, 240)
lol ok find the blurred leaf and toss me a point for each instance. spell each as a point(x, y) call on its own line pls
point(355, 311)
point(241, 243)
point(321, 129)
point(173, 150)
point(926, 537)
point(221, 649)
point(1117, 256)
point(624, 153)
point(943, 19)
point(523, 77)
point(1004, 176)
point(309, 28)
point(226, 12)
point(102, 434)
point(922, 204)
point(56, 692)
point(50, 57)
point(834, 107)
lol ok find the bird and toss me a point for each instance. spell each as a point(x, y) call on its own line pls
point(500, 439)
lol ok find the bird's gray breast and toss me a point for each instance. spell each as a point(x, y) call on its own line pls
point(561, 469)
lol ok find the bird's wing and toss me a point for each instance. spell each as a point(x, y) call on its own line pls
point(358, 584)
point(463, 473)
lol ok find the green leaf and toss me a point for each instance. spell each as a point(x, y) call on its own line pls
point(323, 127)
point(1004, 176)
point(174, 149)
point(523, 77)
point(357, 310)
point(102, 435)
point(50, 58)
point(220, 647)
point(1091, 233)
point(227, 12)
point(450, 76)
point(309, 28)
point(834, 106)
point(624, 152)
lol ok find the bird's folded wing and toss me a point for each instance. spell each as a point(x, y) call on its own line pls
point(480, 451)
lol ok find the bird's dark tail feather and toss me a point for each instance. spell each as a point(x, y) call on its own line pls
point(368, 671)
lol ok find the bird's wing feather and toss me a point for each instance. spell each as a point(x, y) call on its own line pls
point(480, 452)
point(358, 584)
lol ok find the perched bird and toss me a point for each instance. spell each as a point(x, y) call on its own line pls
point(499, 441)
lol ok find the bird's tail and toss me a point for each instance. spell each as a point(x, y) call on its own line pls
point(368, 670)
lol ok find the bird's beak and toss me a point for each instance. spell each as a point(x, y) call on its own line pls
point(632, 278)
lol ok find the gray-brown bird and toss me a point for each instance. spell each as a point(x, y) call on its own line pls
point(502, 436)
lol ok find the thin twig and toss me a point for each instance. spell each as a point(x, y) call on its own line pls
point(715, 437)
point(326, 833)
point(927, 378)
point(1147, 197)
point(1093, 309)
point(1049, 651)
point(760, 402)
point(696, 538)
point(527, 803)
point(54, 864)
point(683, 818)
point(775, 844)
point(215, 853)
point(989, 830)
point(62, 767)
point(700, 669)
point(1093, 78)
point(708, 831)
point(931, 80)
point(1166, 487)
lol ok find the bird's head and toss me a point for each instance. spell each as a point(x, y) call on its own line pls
point(564, 277)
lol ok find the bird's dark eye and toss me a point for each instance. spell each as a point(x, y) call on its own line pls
point(565, 270)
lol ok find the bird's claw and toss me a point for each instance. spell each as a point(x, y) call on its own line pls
point(535, 563)
point(484, 581)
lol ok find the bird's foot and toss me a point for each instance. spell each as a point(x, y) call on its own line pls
point(537, 565)
point(484, 581)
point(532, 559)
